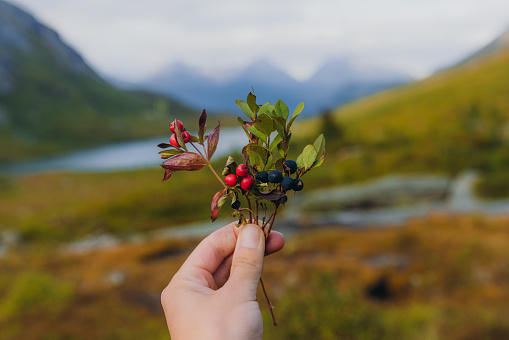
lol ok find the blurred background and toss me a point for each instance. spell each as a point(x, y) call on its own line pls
point(401, 234)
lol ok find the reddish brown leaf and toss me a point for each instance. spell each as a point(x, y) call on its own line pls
point(272, 195)
point(186, 161)
point(212, 142)
point(213, 206)
point(164, 145)
point(202, 126)
point(167, 175)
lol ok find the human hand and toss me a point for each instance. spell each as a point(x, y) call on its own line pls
point(213, 295)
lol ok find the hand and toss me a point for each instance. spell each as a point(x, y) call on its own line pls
point(213, 295)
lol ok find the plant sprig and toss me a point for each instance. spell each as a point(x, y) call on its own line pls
point(268, 128)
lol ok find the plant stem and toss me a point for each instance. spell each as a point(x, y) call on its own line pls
point(256, 212)
point(217, 176)
point(198, 151)
point(271, 307)
point(249, 206)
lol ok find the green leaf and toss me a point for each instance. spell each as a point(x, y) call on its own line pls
point(295, 114)
point(202, 126)
point(195, 139)
point(245, 108)
point(164, 145)
point(242, 123)
point(256, 132)
point(212, 142)
point(230, 166)
point(265, 108)
point(255, 155)
point(280, 125)
point(275, 142)
point(251, 103)
point(185, 161)
point(178, 136)
point(300, 161)
point(265, 124)
point(308, 156)
point(169, 153)
point(319, 145)
point(318, 162)
point(282, 110)
point(222, 200)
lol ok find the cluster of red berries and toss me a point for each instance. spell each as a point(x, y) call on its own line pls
point(186, 136)
point(241, 174)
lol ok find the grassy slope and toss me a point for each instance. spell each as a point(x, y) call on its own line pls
point(54, 110)
point(453, 120)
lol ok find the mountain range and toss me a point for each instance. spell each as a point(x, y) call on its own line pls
point(51, 100)
point(337, 82)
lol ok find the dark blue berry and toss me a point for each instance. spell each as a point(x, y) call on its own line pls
point(299, 185)
point(262, 176)
point(288, 183)
point(290, 165)
point(236, 205)
point(275, 176)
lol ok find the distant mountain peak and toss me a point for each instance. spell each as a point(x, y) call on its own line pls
point(23, 36)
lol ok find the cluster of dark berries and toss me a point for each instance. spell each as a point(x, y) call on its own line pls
point(276, 176)
point(241, 174)
point(186, 136)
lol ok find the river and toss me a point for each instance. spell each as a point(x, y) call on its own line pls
point(119, 156)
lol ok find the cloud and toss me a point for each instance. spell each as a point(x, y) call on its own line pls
point(132, 39)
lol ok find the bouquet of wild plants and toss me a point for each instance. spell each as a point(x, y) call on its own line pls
point(260, 185)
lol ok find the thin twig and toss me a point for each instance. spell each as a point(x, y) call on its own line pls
point(271, 307)
point(256, 212)
point(249, 206)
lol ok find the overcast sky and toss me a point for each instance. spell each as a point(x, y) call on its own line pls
point(133, 39)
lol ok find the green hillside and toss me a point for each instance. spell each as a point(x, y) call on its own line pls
point(52, 101)
point(451, 121)
point(53, 110)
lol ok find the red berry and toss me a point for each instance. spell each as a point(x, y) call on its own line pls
point(242, 170)
point(231, 180)
point(172, 126)
point(173, 141)
point(187, 136)
point(247, 182)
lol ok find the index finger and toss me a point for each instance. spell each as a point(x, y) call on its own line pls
point(212, 250)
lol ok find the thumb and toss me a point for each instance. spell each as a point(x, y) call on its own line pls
point(247, 262)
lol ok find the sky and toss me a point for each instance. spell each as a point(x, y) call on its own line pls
point(132, 40)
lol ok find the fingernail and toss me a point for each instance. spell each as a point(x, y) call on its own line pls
point(250, 237)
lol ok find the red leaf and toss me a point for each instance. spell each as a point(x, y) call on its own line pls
point(212, 142)
point(213, 206)
point(202, 126)
point(167, 175)
point(186, 161)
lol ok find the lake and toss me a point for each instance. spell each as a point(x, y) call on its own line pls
point(119, 156)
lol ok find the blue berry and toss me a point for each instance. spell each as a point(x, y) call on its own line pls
point(262, 176)
point(290, 165)
point(299, 185)
point(288, 183)
point(275, 176)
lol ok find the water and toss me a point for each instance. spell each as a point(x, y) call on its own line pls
point(119, 156)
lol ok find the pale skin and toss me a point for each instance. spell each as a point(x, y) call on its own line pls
point(213, 295)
